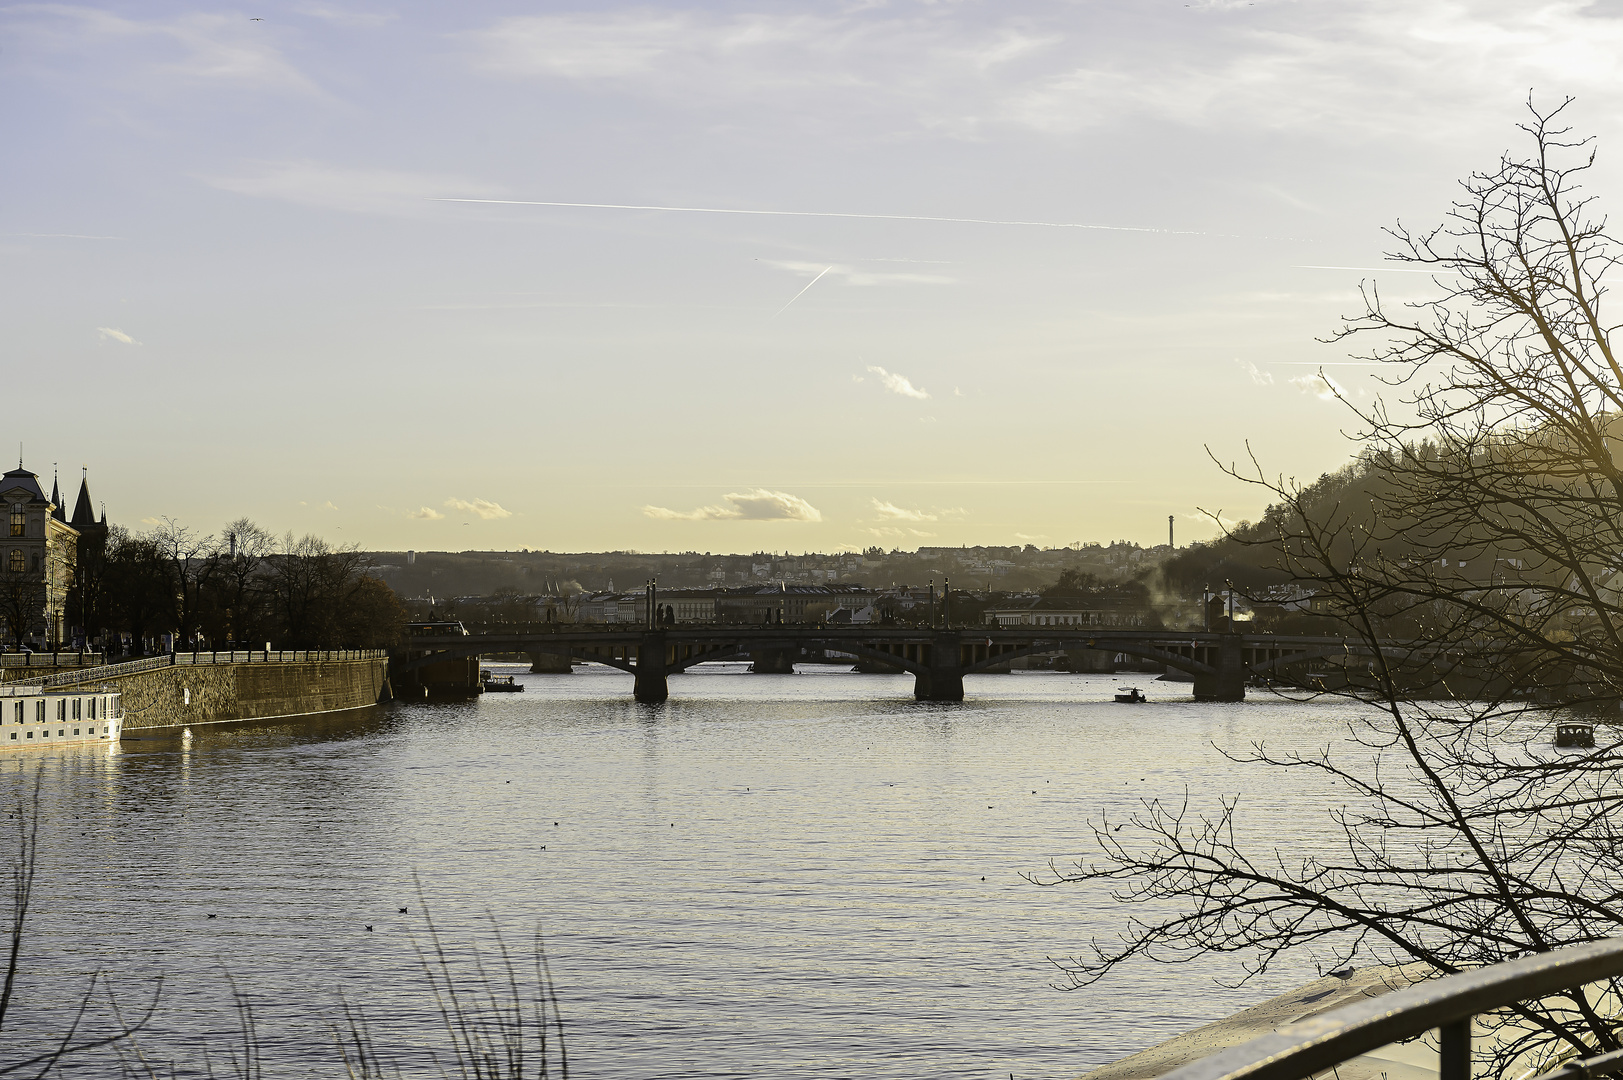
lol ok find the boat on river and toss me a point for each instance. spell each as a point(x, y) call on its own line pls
point(1575, 733)
point(1130, 695)
point(32, 716)
point(499, 684)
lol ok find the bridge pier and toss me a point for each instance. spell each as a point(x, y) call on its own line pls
point(651, 687)
point(943, 679)
point(773, 661)
point(550, 663)
point(1228, 682)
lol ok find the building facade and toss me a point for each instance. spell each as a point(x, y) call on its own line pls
point(37, 563)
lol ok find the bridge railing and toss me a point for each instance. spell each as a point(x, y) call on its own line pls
point(1320, 1043)
point(240, 656)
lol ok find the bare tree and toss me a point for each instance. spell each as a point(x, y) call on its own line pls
point(192, 561)
point(323, 598)
point(1476, 551)
point(236, 601)
point(138, 592)
point(22, 602)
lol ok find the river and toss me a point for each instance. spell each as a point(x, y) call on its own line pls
point(804, 875)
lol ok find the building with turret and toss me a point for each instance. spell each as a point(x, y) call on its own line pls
point(37, 561)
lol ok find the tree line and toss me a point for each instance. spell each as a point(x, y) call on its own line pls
point(241, 587)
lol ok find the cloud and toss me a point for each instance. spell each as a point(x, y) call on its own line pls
point(484, 508)
point(959, 70)
point(345, 18)
point(426, 513)
point(892, 512)
point(858, 277)
point(358, 191)
point(197, 47)
point(757, 505)
point(329, 505)
point(1258, 376)
point(1319, 385)
point(898, 384)
point(110, 334)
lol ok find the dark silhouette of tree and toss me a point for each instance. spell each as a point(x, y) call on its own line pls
point(137, 586)
point(1482, 526)
point(371, 616)
point(22, 602)
point(321, 597)
point(234, 604)
point(191, 562)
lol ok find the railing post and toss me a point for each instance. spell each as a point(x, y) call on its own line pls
point(1454, 1050)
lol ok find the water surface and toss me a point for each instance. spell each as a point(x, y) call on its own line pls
point(804, 875)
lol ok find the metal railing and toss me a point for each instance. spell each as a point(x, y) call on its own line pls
point(240, 656)
point(1321, 1042)
point(61, 658)
point(33, 689)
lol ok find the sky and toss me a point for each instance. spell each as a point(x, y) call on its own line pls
point(730, 277)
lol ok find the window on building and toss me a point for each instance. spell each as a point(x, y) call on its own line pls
point(16, 519)
point(17, 564)
point(36, 563)
point(17, 712)
point(76, 704)
point(62, 709)
point(39, 710)
point(92, 715)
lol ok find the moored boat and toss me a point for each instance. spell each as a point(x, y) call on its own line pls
point(33, 716)
point(499, 684)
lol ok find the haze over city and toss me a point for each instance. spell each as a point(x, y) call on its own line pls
point(328, 267)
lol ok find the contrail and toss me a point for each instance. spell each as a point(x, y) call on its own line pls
point(834, 214)
point(801, 293)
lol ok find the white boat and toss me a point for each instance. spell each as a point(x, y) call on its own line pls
point(33, 716)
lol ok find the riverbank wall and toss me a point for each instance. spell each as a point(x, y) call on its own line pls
point(177, 692)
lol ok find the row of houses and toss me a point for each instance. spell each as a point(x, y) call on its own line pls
point(849, 604)
point(835, 604)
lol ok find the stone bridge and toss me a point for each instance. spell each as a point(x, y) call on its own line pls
point(1220, 663)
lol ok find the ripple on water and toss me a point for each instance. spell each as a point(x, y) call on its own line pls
point(798, 875)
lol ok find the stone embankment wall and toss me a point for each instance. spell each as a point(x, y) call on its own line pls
point(220, 693)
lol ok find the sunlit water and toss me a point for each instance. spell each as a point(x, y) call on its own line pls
point(806, 875)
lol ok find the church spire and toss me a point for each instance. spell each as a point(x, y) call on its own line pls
point(56, 497)
point(84, 511)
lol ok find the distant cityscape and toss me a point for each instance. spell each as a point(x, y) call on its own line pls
point(1082, 584)
point(418, 575)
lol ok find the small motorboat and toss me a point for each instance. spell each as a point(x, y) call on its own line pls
point(1575, 733)
point(1131, 695)
point(499, 684)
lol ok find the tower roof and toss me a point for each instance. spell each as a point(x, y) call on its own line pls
point(84, 512)
point(56, 500)
point(23, 479)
